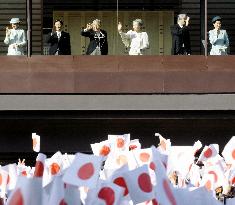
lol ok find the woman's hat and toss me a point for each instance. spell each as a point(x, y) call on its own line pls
point(216, 18)
point(14, 20)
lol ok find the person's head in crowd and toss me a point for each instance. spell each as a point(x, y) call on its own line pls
point(138, 25)
point(96, 25)
point(58, 24)
point(217, 22)
point(15, 23)
point(182, 19)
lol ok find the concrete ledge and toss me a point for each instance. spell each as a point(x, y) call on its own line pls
point(117, 102)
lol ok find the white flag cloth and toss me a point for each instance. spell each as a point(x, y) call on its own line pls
point(57, 192)
point(139, 184)
point(118, 179)
point(40, 164)
point(4, 181)
point(164, 144)
point(143, 156)
point(101, 149)
point(28, 191)
point(164, 193)
point(229, 151)
point(36, 142)
point(134, 144)
point(12, 171)
point(119, 142)
point(230, 201)
point(84, 171)
point(209, 152)
point(72, 195)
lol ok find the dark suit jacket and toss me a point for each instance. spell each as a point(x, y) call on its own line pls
point(94, 41)
point(180, 36)
point(63, 45)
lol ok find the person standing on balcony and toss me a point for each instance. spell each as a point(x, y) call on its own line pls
point(59, 40)
point(98, 38)
point(136, 39)
point(15, 38)
point(180, 36)
point(218, 38)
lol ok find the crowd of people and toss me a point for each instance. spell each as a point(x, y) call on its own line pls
point(121, 172)
point(136, 39)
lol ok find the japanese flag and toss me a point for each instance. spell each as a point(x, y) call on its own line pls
point(209, 152)
point(55, 164)
point(118, 179)
point(217, 173)
point(208, 181)
point(229, 151)
point(134, 144)
point(101, 149)
point(57, 192)
point(4, 181)
point(39, 166)
point(143, 156)
point(164, 144)
point(139, 184)
point(36, 142)
point(164, 192)
point(28, 191)
point(106, 193)
point(84, 170)
point(12, 171)
point(197, 146)
point(119, 142)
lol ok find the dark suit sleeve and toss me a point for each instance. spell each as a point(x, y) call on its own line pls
point(50, 38)
point(85, 33)
point(178, 31)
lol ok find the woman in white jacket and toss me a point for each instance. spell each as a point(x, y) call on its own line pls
point(218, 38)
point(135, 39)
point(15, 38)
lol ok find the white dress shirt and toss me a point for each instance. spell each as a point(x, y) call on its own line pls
point(138, 42)
point(16, 41)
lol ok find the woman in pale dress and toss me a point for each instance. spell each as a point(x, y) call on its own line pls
point(136, 39)
point(15, 38)
point(218, 38)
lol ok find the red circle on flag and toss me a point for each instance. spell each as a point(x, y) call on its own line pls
point(233, 154)
point(208, 153)
point(154, 202)
point(132, 147)
point(86, 171)
point(144, 182)
point(168, 192)
point(208, 185)
point(62, 202)
point(233, 180)
point(215, 175)
point(105, 150)
point(17, 198)
point(55, 168)
point(144, 156)
point(39, 168)
point(120, 143)
point(108, 195)
point(152, 166)
point(120, 181)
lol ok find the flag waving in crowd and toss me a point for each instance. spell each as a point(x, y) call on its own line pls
point(121, 172)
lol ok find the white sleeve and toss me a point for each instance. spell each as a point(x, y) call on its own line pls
point(125, 38)
point(226, 39)
point(212, 37)
point(23, 43)
point(145, 41)
point(7, 40)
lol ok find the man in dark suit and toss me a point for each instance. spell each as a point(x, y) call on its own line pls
point(98, 38)
point(181, 37)
point(59, 40)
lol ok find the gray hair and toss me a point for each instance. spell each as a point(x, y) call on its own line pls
point(182, 16)
point(97, 21)
point(139, 21)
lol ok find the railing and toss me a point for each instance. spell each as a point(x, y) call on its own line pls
point(117, 74)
